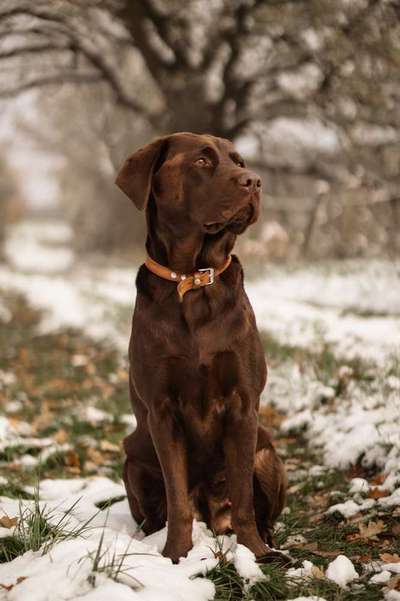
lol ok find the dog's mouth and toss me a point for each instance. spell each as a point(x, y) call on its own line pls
point(213, 227)
point(236, 224)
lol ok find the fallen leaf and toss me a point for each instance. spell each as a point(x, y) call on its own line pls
point(394, 583)
point(390, 558)
point(72, 459)
point(326, 553)
point(379, 479)
point(396, 529)
point(295, 488)
point(75, 471)
point(91, 467)
point(371, 529)
point(108, 446)
point(61, 436)
point(317, 572)
point(94, 456)
point(315, 519)
point(376, 493)
point(364, 558)
point(8, 587)
point(7, 522)
point(44, 419)
point(319, 501)
point(307, 546)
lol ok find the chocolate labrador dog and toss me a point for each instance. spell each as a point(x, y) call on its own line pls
point(197, 366)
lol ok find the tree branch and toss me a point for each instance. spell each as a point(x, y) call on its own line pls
point(93, 55)
point(51, 80)
point(35, 49)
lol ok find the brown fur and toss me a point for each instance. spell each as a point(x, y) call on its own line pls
point(197, 369)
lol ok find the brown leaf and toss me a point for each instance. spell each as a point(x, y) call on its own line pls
point(317, 572)
point(75, 471)
point(72, 459)
point(308, 546)
point(319, 501)
point(8, 587)
point(295, 487)
point(60, 436)
point(7, 522)
point(390, 558)
point(364, 558)
point(326, 553)
point(379, 479)
point(94, 456)
point(371, 529)
point(394, 583)
point(376, 493)
point(44, 419)
point(108, 446)
point(396, 529)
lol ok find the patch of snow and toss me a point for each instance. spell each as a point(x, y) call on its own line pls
point(246, 566)
point(355, 307)
point(393, 567)
point(26, 247)
point(65, 572)
point(393, 499)
point(304, 572)
point(312, 598)
point(94, 415)
point(381, 577)
point(295, 539)
point(360, 425)
point(358, 485)
point(342, 571)
point(350, 508)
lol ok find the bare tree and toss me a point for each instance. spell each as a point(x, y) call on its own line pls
point(227, 67)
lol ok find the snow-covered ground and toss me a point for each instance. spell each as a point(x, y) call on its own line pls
point(354, 307)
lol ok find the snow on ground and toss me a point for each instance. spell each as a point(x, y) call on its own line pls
point(353, 306)
point(130, 567)
point(78, 295)
point(362, 424)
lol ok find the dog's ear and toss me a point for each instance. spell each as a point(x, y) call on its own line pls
point(134, 177)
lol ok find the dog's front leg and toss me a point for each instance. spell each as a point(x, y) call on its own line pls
point(169, 442)
point(239, 449)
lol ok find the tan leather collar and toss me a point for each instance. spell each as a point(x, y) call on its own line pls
point(192, 281)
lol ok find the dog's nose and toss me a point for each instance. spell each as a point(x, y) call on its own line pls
point(249, 180)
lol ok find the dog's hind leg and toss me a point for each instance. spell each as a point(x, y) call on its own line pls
point(270, 484)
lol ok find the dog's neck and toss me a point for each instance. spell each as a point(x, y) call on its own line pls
point(187, 251)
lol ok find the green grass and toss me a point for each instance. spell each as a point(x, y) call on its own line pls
point(37, 529)
point(324, 361)
point(53, 387)
point(111, 564)
point(53, 392)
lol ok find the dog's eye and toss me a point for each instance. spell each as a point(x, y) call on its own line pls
point(202, 162)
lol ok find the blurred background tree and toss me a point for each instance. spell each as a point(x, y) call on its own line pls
point(309, 89)
point(11, 204)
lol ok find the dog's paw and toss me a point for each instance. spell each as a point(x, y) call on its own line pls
point(175, 551)
point(275, 557)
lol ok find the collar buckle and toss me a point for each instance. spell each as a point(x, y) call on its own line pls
point(211, 275)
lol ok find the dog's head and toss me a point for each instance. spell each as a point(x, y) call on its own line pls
point(197, 181)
